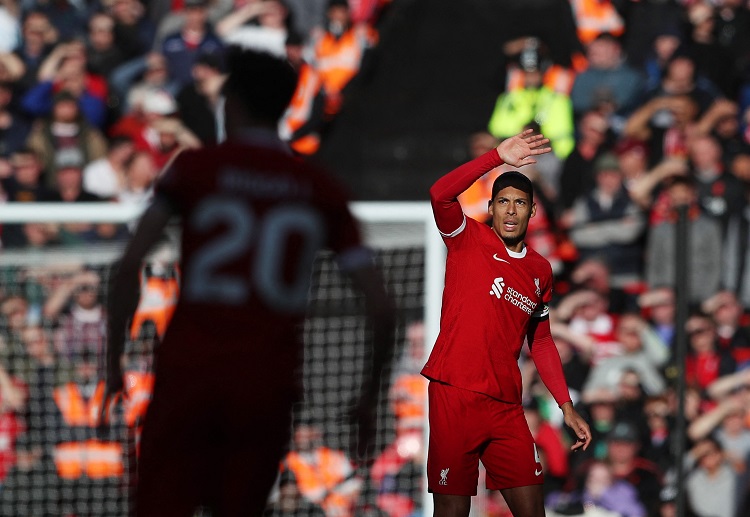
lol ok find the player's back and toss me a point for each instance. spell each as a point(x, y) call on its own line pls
point(253, 219)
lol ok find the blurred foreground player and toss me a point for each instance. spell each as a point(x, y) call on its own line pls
point(227, 373)
point(496, 295)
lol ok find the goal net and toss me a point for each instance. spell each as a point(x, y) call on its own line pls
point(55, 458)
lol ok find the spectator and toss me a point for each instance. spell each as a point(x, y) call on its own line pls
point(535, 102)
point(644, 353)
point(704, 256)
point(75, 306)
point(713, 478)
point(65, 129)
point(659, 423)
point(623, 453)
point(705, 362)
point(67, 16)
point(256, 24)
point(712, 60)
point(609, 84)
point(69, 178)
point(732, 17)
point(324, 476)
point(105, 177)
point(577, 176)
point(103, 55)
point(65, 70)
point(736, 270)
point(140, 173)
point(132, 81)
point(196, 37)
point(134, 32)
point(595, 17)
point(607, 224)
point(9, 27)
point(734, 337)
point(658, 307)
point(198, 101)
point(14, 125)
point(602, 491)
point(668, 38)
point(38, 40)
point(720, 193)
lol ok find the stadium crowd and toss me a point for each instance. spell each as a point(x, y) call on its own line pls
point(648, 111)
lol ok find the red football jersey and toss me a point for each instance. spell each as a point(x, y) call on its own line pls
point(253, 220)
point(490, 295)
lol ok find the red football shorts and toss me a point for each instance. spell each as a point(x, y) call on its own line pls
point(466, 427)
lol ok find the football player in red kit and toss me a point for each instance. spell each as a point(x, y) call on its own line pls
point(253, 217)
point(496, 296)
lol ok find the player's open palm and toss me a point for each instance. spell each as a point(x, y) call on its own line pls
point(519, 150)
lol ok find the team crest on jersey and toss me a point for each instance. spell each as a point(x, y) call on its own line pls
point(444, 477)
point(538, 290)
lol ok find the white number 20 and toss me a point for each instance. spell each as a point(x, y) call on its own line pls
point(269, 236)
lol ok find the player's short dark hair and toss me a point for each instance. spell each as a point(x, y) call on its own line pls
point(513, 179)
point(265, 83)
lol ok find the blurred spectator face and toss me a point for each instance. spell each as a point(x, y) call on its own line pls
point(728, 310)
point(602, 413)
point(629, 386)
point(69, 178)
point(306, 437)
point(36, 342)
point(633, 160)
point(26, 168)
point(141, 172)
point(593, 127)
point(629, 333)
point(127, 12)
point(339, 18)
point(603, 53)
point(665, 46)
point(87, 294)
point(734, 422)
point(156, 72)
point(656, 411)
point(681, 194)
point(680, 76)
point(274, 16)
point(65, 110)
point(622, 451)
point(705, 153)
point(740, 167)
point(598, 479)
point(15, 309)
point(101, 33)
point(684, 110)
point(701, 16)
point(195, 17)
point(663, 309)
point(37, 234)
point(609, 181)
point(701, 334)
point(37, 31)
point(712, 456)
point(727, 127)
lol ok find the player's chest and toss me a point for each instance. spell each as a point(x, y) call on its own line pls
point(493, 277)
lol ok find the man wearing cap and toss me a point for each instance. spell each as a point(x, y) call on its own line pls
point(496, 296)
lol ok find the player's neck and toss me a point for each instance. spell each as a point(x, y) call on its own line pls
point(514, 246)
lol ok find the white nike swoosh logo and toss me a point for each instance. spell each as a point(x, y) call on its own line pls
point(538, 472)
point(499, 259)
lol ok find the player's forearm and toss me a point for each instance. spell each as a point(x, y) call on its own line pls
point(123, 301)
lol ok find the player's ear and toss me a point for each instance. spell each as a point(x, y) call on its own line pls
point(490, 208)
point(533, 210)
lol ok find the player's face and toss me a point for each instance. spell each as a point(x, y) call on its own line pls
point(511, 211)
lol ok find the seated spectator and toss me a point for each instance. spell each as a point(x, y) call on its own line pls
point(134, 32)
point(198, 100)
point(69, 178)
point(65, 128)
point(105, 177)
point(704, 255)
point(607, 224)
point(135, 79)
point(65, 69)
point(607, 80)
point(602, 491)
point(659, 423)
point(196, 37)
point(138, 180)
point(658, 307)
point(713, 478)
point(643, 352)
point(734, 337)
point(102, 53)
point(14, 124)
point(257, 24)
point(38, 39)
point(667, 39)
point(705, 362)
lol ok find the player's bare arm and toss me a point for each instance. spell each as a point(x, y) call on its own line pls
point(578, 425)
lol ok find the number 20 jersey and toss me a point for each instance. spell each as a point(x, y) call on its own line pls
point(253, 219)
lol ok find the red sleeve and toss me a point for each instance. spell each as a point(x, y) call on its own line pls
point(547, 360)
point(444, 193)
